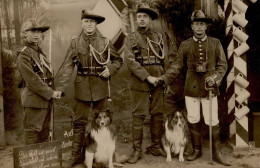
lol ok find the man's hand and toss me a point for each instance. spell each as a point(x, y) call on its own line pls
point(152, 80)
point(105, 73)
point(210, 81)
point(159, 81)
point(56, 95)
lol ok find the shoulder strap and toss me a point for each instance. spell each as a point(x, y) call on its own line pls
point(22, 50)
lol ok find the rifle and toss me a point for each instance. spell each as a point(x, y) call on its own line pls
point(51, 129)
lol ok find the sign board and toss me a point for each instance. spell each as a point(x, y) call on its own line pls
point(42, 155)
point(63, 131)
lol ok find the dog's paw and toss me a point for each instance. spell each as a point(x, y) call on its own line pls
point(168, 159)
point(181, 159)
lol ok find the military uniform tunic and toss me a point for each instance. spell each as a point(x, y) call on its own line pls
point(89, 86)
point(189, 54)
point(146, 97)
point(36, 73)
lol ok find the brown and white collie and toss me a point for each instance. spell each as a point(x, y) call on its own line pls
point(100, 142)
point(176, 135)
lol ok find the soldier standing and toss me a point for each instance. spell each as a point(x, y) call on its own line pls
point(204, 59)
point(96, 60)
point(144, 56)
point(36, 73)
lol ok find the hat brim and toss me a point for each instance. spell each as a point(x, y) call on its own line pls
point(97, 18)
point(42, 29)
point(206, 20)
point(151, 12)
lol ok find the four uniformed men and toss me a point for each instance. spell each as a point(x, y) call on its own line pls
point(96, 60)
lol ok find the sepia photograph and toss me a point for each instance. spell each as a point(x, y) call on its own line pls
point(129, 83)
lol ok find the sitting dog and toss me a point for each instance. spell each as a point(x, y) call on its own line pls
point(100, 142)
point(176, 135)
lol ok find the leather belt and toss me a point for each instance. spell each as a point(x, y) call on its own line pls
point(149, 60)
point(90, 71)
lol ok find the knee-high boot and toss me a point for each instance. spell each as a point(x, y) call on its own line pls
point(196, 142)
point(78, 141)
point(217, 156)
point(157, 130)
point(137, 133)
point(31, 137)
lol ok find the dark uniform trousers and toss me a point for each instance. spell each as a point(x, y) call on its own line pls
point(82, 109)
point(144, 103)
point(91, 91)
point(36, 127)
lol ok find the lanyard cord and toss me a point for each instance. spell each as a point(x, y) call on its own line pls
point(159, 44)
point(93, 52)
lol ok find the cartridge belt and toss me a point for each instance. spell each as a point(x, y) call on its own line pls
point(149, 60)
point(90, 71)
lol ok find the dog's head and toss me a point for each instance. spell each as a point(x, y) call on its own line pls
point(102, 119)
point(176, 119)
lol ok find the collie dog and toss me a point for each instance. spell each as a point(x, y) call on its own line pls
point(100, 142)
point(176, 135)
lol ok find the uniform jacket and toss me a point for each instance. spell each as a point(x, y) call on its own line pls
point(35, 92)
point(188, 54)
point(88, 88)
point(139, 73)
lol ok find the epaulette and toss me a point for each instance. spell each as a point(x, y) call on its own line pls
point(158, 34)
point(132, 35)
point(20, 50)
point(74, 37)
point(23, 49)
point(101, 36)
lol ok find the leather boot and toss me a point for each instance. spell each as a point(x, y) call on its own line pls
point(78, 141)
point(44, 135)
point(217, 156)
point(31, 137)
point(196, 142)
point(137, 133)
point(156, 129)
point(135, 156)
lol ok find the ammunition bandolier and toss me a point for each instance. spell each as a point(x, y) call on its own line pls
point(155, 49)
point(90, 55)
point(37, 77)
point(38, 69)
point(144, 55)
point(101, 58)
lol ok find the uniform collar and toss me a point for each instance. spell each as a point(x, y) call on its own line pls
point(142, 30)
point(203, 39)
point(88, 37)
point(32, 45)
